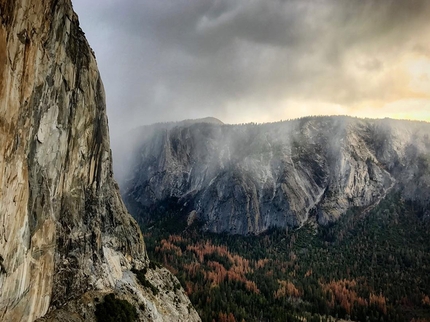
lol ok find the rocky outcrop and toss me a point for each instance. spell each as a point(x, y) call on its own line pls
point(66, 239)
point(245, 179)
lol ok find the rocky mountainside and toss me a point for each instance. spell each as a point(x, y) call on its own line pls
point(244, 179)
point(66, 239)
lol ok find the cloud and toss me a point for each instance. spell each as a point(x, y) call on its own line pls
point(237, 59)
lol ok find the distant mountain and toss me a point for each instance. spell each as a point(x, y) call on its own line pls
point(211, 120)
point(244, 179)
point(127, 145)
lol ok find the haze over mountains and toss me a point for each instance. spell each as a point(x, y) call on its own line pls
point(70, 251)
point(244, 179)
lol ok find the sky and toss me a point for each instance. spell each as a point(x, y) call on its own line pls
point(259, 60)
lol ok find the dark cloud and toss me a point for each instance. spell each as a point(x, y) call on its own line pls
point(172, 60)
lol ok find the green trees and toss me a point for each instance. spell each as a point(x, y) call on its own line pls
point(140, 275)
point(369, 267)
point(115, 310)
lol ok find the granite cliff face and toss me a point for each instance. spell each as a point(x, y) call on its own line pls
point(66, 239)
point(245, 179)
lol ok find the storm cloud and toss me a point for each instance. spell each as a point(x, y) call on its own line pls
point(257, 60)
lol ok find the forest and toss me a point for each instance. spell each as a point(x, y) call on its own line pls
point(371, 265)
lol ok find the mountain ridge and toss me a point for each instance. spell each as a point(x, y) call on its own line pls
point(246, 178)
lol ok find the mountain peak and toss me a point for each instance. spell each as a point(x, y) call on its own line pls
point(210, 119)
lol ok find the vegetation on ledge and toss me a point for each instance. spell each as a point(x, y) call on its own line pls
point(115, 310)
point(140, 275)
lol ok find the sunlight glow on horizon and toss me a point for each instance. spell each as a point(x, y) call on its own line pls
point(402, 93)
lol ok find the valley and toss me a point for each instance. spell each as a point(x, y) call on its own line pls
point(314, 219)
point(372, 265)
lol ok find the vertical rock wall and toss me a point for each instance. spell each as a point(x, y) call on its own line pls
point(245, 179)
point(64, 232)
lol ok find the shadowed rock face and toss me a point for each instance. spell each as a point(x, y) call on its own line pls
point(65, 236)
point(246, 178)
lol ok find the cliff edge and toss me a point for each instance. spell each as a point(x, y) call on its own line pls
point(66, 239)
